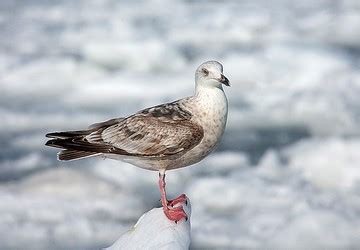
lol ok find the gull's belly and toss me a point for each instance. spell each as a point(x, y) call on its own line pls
point(212, 136)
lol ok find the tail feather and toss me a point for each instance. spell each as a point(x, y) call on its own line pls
point(76, 144)
point(68, 134)
point(53, 143)
point(68, 155)
point(73, 144)
point(79, 144)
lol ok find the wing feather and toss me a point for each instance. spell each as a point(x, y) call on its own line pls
point(145, 134)
point(160, 131)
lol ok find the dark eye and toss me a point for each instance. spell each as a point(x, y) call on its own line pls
point(205, 71)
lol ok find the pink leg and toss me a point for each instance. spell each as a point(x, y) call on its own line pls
point(174, 214)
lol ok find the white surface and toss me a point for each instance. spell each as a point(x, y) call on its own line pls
point(154, 231)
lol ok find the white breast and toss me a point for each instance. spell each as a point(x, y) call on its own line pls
point(210, 108)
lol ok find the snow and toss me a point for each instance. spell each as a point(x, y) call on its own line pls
point(154, 231)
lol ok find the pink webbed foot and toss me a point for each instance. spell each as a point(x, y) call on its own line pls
point(180, 199)
point(172, 213)
point(175, 214)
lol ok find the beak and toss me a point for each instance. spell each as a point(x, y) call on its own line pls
point(224, 80)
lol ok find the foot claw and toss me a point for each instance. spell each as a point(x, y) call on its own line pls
point(175, 214)
point(181, 199)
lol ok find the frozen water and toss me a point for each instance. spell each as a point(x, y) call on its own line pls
point(287, 172)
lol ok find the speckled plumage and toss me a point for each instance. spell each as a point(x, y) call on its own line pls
point(167, 136)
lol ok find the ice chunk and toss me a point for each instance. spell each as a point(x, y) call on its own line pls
point(154, 231)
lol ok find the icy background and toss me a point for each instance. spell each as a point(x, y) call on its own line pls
point(287, 172)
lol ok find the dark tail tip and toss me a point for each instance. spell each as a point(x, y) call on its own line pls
point(52, 135)
point(56, 143)
point(49, 143)
point(68, 134)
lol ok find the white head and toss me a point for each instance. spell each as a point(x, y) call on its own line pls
point(210, 74)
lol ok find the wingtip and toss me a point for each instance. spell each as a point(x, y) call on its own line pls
point(50, 135)
point(53, 143)
point(48, 143)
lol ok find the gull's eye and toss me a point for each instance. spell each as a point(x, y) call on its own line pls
point(205, 71)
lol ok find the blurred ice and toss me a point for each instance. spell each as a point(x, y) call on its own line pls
point(287, 172)
point(303, 196)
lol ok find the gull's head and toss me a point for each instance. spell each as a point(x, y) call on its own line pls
point(210, 74)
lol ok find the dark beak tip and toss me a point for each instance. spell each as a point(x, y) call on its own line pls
point(225, 81)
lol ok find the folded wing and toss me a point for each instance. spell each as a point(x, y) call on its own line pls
point(156, 132)
point(149, 136)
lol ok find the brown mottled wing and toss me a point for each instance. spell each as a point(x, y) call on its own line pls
point(156, 132)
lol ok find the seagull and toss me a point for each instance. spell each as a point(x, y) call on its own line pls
point(160, 138)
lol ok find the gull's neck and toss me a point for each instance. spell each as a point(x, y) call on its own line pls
point(212, 99)
point(211, 106)
point(209, 91)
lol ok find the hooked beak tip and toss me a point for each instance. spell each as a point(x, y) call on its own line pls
point(224, 80)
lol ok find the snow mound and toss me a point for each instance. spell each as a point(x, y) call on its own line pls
point(154, 231)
